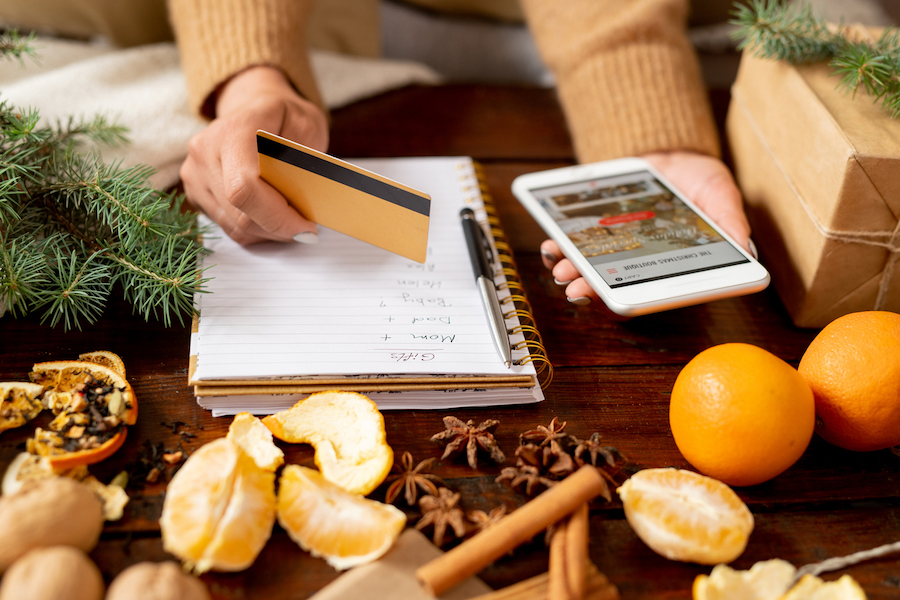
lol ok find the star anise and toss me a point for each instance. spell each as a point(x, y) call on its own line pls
point(557, 461)
point(552, 459)
point(610, 455)
point(411, 479)
point(542, 435)
point(469, 436)
point(440, 511)
point(529, 476)
point(530, 455)
point(483, 520)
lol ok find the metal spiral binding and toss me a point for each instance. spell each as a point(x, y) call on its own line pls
point(516, 303)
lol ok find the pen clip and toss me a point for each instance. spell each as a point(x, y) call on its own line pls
point(487, 249)
point(480, 249)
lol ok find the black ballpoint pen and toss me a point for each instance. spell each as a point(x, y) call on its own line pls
point(478, 252)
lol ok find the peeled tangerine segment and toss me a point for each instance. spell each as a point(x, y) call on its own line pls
point(247, 523)
point(766, 580)
point(769, 580)
point(344, 528)
point(811, 587)
point(347, 431)
point(219, 509)
point(255, 439)
point(686, 516)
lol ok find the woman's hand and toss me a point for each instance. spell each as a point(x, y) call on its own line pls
point(221, 172)
point(705, 180)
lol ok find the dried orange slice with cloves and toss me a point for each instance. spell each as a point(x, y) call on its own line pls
point(93, 405)
point(20, 402)
point(105, 358)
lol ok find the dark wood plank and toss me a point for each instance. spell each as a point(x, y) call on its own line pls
point(627, 405)
point(611, 376)
point(485, 122)
point(283, 571)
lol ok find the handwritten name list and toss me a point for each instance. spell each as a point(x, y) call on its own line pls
point(344, 307)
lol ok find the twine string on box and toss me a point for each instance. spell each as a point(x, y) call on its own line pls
point(887, 240)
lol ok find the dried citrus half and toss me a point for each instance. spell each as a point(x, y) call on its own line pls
point(255, 439)
point(219, 509)
point(344, 528)
point(766, 580)
point(686, 516)
point(347, 431)
point(20, 402)
point(93, 405)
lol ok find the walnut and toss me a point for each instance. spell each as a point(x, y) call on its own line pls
point(48, 512)
point(156, 581)
point(53, 573)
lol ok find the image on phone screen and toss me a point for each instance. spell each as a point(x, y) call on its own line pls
point(633, 229)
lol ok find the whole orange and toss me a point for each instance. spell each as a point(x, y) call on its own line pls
point(853, 368)
point(740, 414)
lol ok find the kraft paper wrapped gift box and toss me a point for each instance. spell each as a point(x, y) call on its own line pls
point(820, 174)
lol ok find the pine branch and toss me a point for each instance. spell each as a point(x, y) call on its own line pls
point(24, 274)
point(789, 32)
point(163, 283)
point(14, 45)
point(79, 289)
point(74, 228)
point(794, 33)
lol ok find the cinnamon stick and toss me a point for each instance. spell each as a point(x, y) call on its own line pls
point(557, 584)
point(568, 557)
point(598, 587)
point(521, 525)
point(577, 551)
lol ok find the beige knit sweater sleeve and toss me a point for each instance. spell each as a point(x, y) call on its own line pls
point(627, 77)
point(218, 38)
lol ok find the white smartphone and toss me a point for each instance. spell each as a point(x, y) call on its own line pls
point(638, 241)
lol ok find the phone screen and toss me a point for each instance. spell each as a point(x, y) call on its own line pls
point(633, 229)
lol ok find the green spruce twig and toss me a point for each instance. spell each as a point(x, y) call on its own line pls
point(792, 32)
point(14, 45)
point(74, 228)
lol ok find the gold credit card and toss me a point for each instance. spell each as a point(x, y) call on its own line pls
point(346, 198)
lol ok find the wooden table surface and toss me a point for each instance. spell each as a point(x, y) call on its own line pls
point(611, 377)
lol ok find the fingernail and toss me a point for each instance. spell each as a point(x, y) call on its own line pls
point(549, 255)
point(307, 237)
point(558, 282)
point(753, 249)
point(580, 301)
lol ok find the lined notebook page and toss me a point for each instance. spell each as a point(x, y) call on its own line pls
point(345, 307)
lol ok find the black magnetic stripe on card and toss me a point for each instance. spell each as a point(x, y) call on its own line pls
point(343, 175)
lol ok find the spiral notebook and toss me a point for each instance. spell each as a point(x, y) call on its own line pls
point(286, 320)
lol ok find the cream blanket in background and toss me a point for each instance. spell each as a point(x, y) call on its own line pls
point(143, 89)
